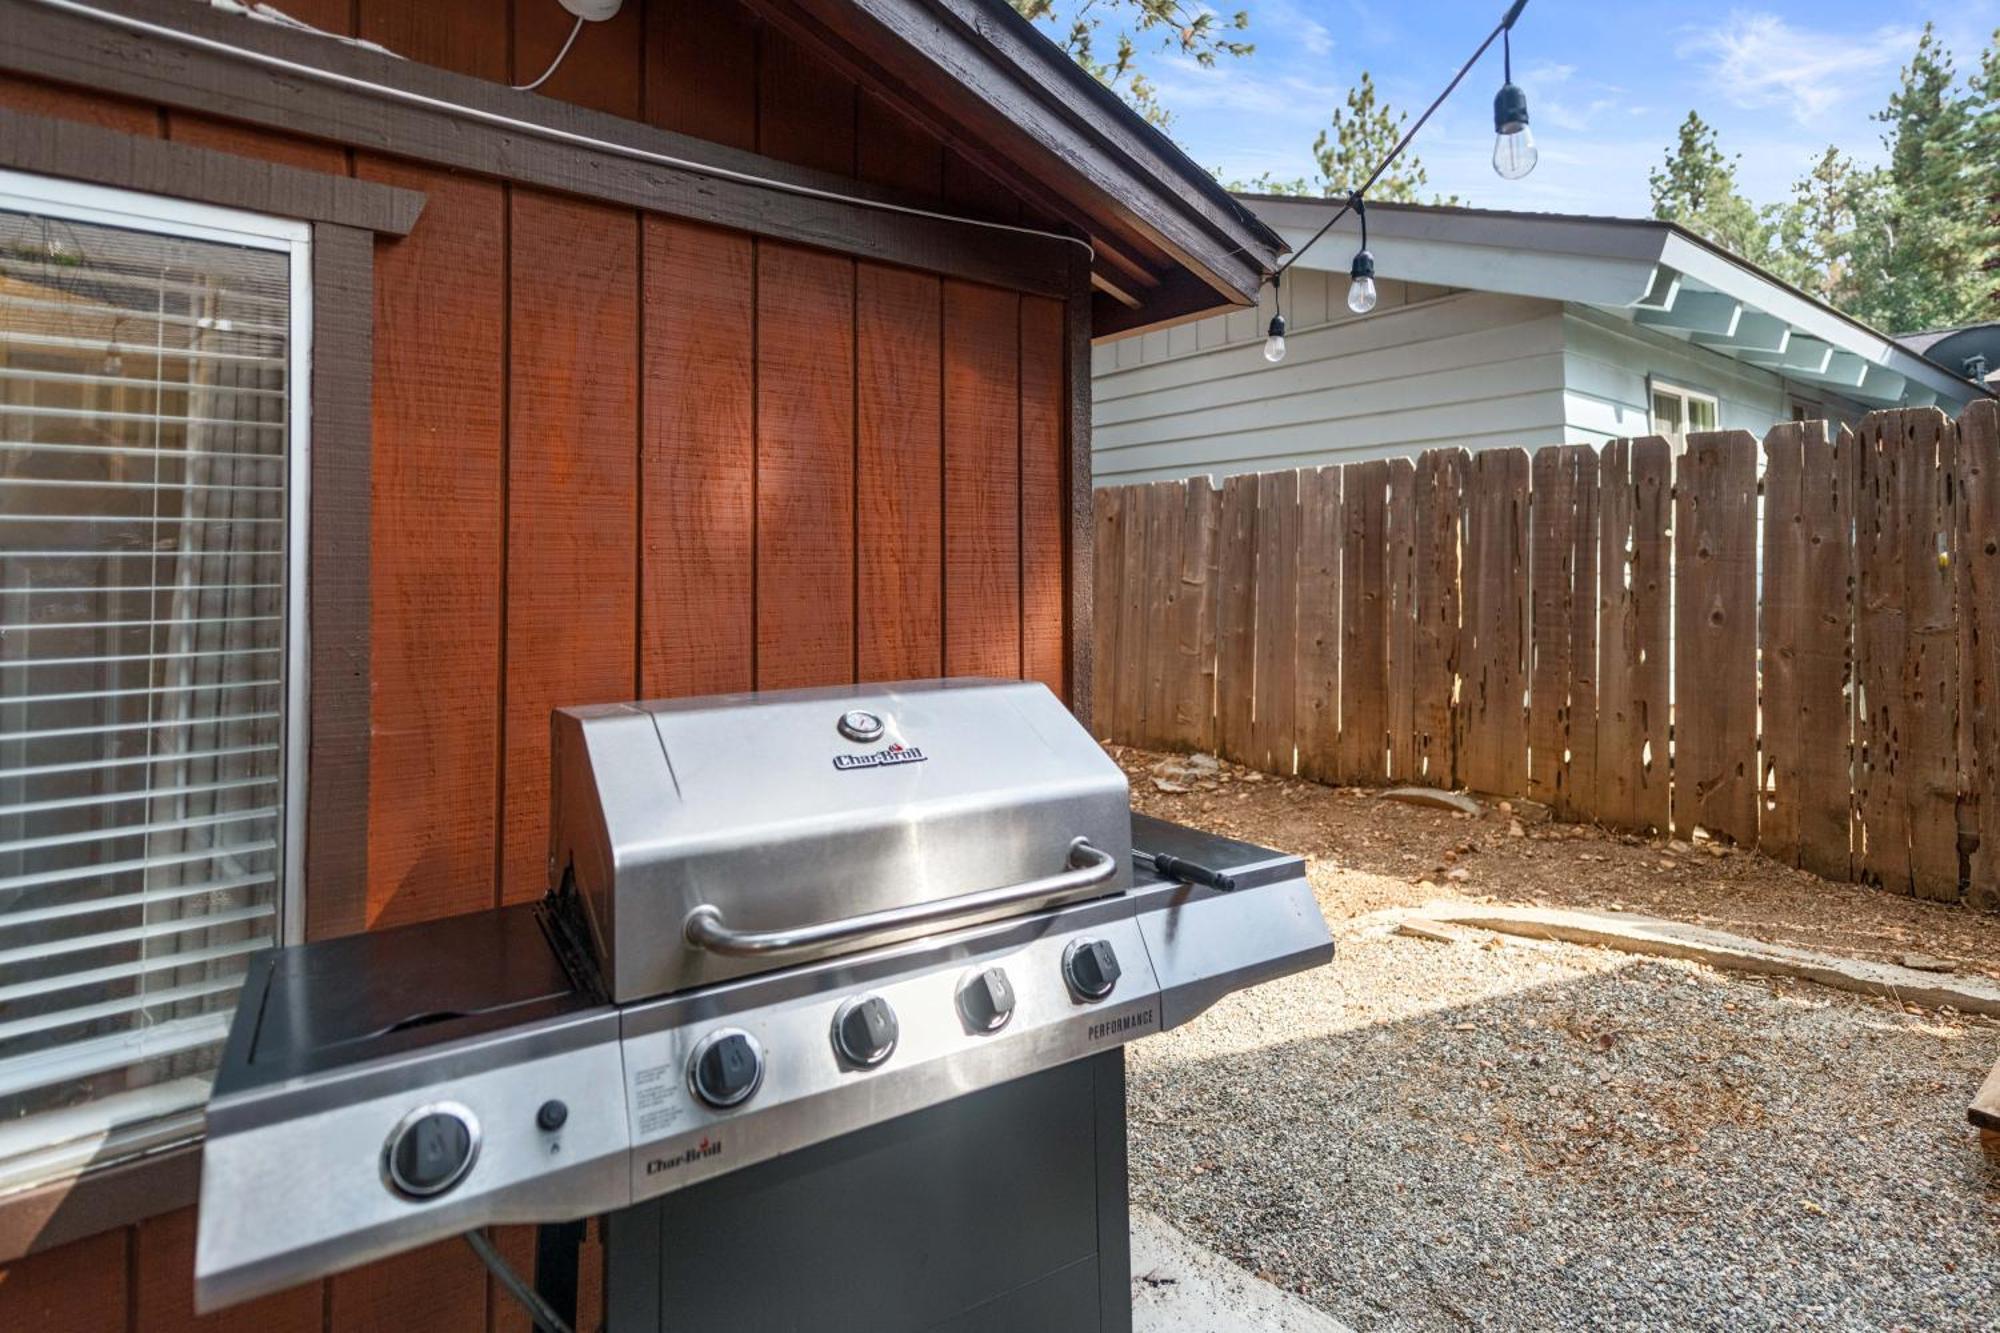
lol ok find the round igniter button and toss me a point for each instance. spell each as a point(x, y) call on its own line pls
point(1091, 968)
point(552, 1116)
point(986, 1000)
point(858, 724)
point(431, 1150)
point(865, 1030)
point(726, 1067)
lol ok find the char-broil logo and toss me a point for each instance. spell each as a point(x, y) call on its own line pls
point(895, 754)
point(1113, 1027)
point(694, 1152)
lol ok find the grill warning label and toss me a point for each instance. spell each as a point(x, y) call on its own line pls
point(656, 1099)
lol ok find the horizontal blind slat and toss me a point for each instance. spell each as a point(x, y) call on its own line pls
point(129, 761)
point(53, 1019)
point(101, 1055)
point(105, 448)
point(152, 930)
point(143, 794)
point(124, 902)
point(57, 342)
point(38, 879)
point(138, 967)
point(131, 382)
point(141, 691)
point(128, 831)
point(142, 418)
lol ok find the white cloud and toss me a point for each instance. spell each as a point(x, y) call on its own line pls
point(1763, 61)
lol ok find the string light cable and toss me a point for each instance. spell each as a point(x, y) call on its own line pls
point(555, 64)
point(550, 132)
point(1513, 157)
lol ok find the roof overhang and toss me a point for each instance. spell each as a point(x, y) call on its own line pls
point(1656, 274)
point(1170, 243)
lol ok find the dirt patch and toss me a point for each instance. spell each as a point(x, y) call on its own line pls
point(1366, 853)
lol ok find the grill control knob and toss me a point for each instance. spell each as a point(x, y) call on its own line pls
point(865, 1030)
point(986, 999)
point(431, 1150)
point(1091, 968)
point(726, 1067)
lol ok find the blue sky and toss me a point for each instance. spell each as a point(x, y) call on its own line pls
point(1608, 84)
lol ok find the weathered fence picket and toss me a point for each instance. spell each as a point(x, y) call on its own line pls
point(1807, 662)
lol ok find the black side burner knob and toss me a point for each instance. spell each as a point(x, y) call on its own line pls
point(552, 1116)
point(986, 999)
point(1091, 968)
point(431, 1151)
point(865, 1030)
point(726, 1068)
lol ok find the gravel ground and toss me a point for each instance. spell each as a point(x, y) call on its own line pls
point(1510, 1134)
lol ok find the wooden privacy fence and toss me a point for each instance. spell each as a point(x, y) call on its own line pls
point(1806, 662)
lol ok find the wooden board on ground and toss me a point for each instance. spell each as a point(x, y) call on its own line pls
point(1276, 639)
point(1715, 637)
point(1494, 753)
point(1317, 710)
point(1363, 623)
point(1236, 618)
point(1634, 551)
point(1440, 481)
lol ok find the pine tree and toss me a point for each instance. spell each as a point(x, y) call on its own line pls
point(1921, 228)
point(1195, 31)
point(1349, 148)
point(1696, 187)
point(1809, 232)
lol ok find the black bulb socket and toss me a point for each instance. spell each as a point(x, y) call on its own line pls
point(1363, 266)
point(1510, 109)
point(1277, 329)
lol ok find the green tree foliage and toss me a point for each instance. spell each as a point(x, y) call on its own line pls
point(1358, 137)
point(1696, 187)
point(1085, 28)
point(1911, 244)
point(1921, 225)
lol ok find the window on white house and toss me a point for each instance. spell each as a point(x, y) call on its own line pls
point(152, 366)
point(1678, 412)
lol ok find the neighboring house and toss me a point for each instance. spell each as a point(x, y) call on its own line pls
point(1493, 328)
point(357, 409)
point(1972, 350)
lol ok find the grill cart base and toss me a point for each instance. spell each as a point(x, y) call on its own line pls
point(999, 1211)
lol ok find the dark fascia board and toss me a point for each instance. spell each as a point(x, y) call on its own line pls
point(1024, 86)
point(419, 120)
point(48, 146)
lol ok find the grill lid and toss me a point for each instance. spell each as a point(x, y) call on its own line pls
point(718, 837)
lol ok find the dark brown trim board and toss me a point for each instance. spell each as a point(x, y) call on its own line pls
point(1082, 527)
point(518, 136)
point(101, 1198)
point(337, 580)
point(75, 151)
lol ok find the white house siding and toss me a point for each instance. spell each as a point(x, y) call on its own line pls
point(1605, 381)
point(1428, 368)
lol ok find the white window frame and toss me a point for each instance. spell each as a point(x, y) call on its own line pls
point(162, 215)
point(1654, 385)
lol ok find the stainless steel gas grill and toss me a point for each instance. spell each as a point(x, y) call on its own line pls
point(829, 987)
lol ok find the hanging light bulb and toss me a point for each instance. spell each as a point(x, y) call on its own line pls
point(1274, 342)
point(1513, 142)
point(1361, 274)
point(1361, 284)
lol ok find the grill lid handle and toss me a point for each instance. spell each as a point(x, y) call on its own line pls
point(1088, 866)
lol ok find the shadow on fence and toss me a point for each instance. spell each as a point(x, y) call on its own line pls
point(1582, 627)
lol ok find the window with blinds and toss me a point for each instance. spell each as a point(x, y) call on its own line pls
point(150, 351)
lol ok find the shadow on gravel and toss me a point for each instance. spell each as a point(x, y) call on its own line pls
point(1431, 1136)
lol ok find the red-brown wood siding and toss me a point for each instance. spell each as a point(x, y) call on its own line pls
point(619, 455)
